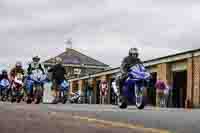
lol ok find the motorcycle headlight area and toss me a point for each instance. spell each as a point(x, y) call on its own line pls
point(38, 77)
point(4, 83)
point(64, 84)
point(43, 77)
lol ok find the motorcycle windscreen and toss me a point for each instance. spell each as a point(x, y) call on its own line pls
point(4, 83)
point(138, 72)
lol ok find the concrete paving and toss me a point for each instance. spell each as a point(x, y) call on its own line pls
point(98, 118)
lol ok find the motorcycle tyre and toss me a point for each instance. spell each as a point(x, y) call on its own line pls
point(142, 105)
point(28, 101)
point(18, 100)
point(122, 102)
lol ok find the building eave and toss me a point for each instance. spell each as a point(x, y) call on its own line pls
point(148, 63)
point(80, 66)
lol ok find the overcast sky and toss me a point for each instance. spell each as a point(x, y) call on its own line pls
point(102, 29)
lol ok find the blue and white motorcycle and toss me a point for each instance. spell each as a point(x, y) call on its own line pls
point(34, 86)
point(134, 87)
point(77, 98)
point(64, 87)
point(4, 89)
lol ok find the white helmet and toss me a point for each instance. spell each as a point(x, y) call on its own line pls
point(36, 59)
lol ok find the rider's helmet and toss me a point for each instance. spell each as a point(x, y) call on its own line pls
point(18, 64)
point(4, 72)
point(133, 52)
point(36, 59)
point(58, 60)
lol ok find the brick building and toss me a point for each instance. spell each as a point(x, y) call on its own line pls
point(77, 64)
point(182, 71)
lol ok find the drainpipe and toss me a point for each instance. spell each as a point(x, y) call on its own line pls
point(192, 96)
point(190, 101)
point(90, 93)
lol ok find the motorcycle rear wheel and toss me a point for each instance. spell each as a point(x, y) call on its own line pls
point(37, 95)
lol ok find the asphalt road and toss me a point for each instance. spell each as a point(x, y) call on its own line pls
point(43, 118)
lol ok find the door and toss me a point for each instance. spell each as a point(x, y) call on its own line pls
point(179, 88)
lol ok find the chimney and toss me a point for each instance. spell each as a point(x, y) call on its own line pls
point(68, 44)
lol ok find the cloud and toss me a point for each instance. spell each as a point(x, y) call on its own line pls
point(103, 29)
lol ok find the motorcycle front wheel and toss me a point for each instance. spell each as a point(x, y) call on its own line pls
point(63, 97)
point(3, 96)
point(3, 99)
point(139, 97)
point(18, 100)
point(64, 101)
point(37, 95)
point(28, 98)
point(28, 101)
point(79, 100)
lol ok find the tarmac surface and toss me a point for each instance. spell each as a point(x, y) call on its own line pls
point(44, 118)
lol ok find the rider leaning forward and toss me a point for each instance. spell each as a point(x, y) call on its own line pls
point(18, 69)
point(129, 61)
point(35, 65)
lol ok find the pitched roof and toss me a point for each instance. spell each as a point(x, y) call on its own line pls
point(172, 55)
point(113, 70)
point(71, 56)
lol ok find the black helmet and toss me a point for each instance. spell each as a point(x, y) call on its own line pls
point(36, 58)
point(18, 64)
point(133, 52)
point(4, 72)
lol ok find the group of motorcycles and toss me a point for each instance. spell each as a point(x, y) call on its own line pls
point(28, 88)
point(12, 90)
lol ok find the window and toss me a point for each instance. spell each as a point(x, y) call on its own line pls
point(77, 71)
